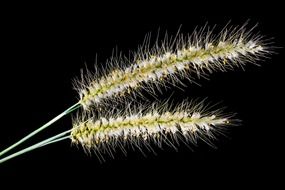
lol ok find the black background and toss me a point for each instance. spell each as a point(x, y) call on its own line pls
point(41, 56)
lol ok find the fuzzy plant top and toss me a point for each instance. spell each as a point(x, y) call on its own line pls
point(143, 127)
point(199, 54)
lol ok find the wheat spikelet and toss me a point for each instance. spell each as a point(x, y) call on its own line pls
point(141, 126)
point(200, 53)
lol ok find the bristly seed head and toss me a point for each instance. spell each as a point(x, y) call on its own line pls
point(198, 53)
point(139, 128)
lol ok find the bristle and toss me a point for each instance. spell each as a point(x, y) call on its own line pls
point(197, 53)
point(139, 127)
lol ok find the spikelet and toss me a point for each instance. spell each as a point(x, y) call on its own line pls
point(142, 126)
point(200, 53)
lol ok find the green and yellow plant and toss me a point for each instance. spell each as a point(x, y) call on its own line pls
point(200, 53)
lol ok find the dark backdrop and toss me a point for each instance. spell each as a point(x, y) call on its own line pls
point(42, 56)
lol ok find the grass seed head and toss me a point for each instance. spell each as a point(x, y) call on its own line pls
point(184, 56)
point(142, 126)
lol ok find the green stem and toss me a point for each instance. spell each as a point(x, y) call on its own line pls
point(56, 140)
point(69, 110)
point(48, 141)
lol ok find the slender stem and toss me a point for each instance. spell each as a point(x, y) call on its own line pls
point(69, 110)
point(48, 141)
point(56, 140)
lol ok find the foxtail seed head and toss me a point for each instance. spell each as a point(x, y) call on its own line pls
point(140, 128)
point(199, 52)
